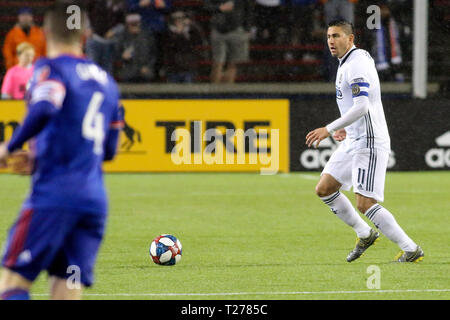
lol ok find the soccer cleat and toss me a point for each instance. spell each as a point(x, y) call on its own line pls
point(362, 245)
point(410, 256)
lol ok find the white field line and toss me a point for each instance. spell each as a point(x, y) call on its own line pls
point(251, 293)
point(301, 175)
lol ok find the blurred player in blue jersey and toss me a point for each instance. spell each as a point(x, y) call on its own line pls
point(72, 126)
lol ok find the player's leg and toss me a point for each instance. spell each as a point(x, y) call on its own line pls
point(385, 222)
point(370, 190)
point(60, 289)
point(335, 176)
point(13, 283)
point(13, 286)
point(73, 267)
point(32, 243)
point(327, 185)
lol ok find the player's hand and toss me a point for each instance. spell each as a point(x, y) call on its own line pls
point(22, 162)
point(340, 135)
point(4, 153)
point(316, 136)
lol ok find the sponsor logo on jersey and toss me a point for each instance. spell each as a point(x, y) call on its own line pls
point(439, 157)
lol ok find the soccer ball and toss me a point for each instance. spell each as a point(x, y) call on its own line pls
point(165, 250)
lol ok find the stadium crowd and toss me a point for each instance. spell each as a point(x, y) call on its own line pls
point(161, 41)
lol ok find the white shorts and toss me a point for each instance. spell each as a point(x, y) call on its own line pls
point(364, 169)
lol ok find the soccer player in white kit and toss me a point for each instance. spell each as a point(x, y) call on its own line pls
point(361, 159)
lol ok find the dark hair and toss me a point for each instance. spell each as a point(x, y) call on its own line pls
point(56, 22)
point(344, 24)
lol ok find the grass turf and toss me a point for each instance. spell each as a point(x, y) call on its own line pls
point(248, 236)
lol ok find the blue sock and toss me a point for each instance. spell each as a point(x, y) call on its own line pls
point(15, 294)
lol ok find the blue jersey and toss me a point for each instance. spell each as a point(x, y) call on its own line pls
point(73, 113)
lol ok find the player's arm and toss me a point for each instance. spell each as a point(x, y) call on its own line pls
point(36, 119)
point(359, 109)
point(46, 99)
point(112, 137)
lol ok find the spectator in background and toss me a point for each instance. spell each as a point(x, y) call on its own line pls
point(386, 49)
point(106, 20)
point(301, 20)
point(230, 30)
point(24, 31)
point(180, 54)
point(268, 20)
point(17, 77)
point(338, 10)
point(136, 52)
point(153, 13)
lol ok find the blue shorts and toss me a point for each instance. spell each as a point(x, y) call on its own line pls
point(60, 241)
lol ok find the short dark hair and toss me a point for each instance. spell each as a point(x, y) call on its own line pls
point(344, 24)
point(56, 22)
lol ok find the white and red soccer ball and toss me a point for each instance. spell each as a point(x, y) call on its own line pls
point(166, 250)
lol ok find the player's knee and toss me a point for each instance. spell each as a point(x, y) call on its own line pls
point(10, 279)
point(361, 208)
point(323, 190)
point(365, 205)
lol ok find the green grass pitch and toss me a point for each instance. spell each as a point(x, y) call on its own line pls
point(248, 236)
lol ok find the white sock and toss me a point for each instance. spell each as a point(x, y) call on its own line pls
point(387, 224)
point(343, 209)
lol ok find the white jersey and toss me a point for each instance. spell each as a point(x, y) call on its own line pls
point(356, 77)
